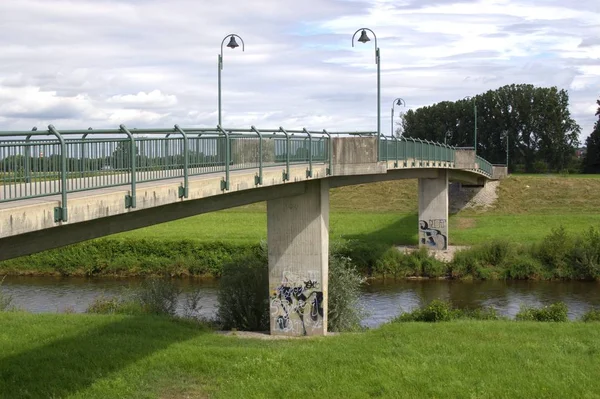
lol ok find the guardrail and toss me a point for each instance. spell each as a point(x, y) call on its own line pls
point(417, 152)
point(484, 166)
point(32, 165)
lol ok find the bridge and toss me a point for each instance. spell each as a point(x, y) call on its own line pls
point(62, 187)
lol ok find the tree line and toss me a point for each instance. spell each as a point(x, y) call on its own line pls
point(531, 125)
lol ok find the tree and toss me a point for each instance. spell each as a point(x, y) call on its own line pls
point(591, 160)
point(534, 121)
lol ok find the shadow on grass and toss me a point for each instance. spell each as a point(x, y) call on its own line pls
point(404, 231)
point(65, 366)
point(366, 249)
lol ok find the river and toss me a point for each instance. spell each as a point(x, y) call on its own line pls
point(382, 300)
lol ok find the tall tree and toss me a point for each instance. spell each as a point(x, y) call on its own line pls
point(591, 160)
point(535, 122)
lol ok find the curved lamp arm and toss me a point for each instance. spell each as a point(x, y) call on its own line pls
point(375, 36)
point(223, 42)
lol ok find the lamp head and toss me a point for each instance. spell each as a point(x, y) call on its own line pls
point(363, 37)
point(232, 43)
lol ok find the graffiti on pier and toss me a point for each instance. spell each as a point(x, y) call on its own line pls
point(432, 233)
point(297, 304)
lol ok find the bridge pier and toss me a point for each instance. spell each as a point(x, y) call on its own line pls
point(433, 211)
point(298, 245)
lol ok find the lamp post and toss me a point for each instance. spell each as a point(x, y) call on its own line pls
point(398, 101)
point(363, 39)
point(475, 113)
point(232, 44)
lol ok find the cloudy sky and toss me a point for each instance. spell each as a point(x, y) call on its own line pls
point(153, 63)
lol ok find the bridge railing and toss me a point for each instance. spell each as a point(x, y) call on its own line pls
point(44, 163)
point(412, 152)
point(484, 166)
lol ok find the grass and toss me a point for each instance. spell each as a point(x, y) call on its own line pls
point(93, 356)
point(528, 208)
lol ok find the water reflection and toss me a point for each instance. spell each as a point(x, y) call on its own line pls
point(382, 300)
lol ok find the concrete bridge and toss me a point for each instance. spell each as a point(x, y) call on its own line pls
point(62, 187)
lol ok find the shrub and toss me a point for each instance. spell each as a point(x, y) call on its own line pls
point(344, 312)
point(522, 267)
point(591, 315)
point(393, 263)
point(243, 298)
point(555, 252)
point(586, 255)
point(158, 296)
point(5, 299)
point(435, 311)
point(438, 310)
point(114, 305)
point(556, 312)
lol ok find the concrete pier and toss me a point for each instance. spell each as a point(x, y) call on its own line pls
point(433, 212)
point(298, 242)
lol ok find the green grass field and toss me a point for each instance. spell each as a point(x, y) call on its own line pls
point(528, 208)
point(93, 356)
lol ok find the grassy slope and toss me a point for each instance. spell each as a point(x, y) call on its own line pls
point(528, 208)
point(92, 356)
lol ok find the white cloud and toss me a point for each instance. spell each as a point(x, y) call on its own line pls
point(153, 63)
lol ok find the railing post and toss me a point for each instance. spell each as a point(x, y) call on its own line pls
point(396, 150)
point(184, 191)
point(329, 152)
point(286, 174)
point(259, 179)
point(82, 174)
point(130, 201)
point(27, 162)
point(309, 171)
point(61, 213)
point(225, 183)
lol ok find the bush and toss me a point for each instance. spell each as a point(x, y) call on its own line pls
point(243, 298)
point(5, 299)
point(555, 252)
point(556, 312)
point(114, 305)
point(522, 267)
point(158, 296)
point(344, 312)
point(591, 315)
point(438, 310)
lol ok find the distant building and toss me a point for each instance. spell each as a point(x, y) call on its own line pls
point(580, 152)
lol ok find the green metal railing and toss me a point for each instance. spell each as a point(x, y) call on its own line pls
point(484, 166)
point(34, 165)
point(45, 163)
point(418, 153)
point(413, 152)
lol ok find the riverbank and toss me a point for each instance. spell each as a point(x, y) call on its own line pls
point(95, 356)
point(527, 210)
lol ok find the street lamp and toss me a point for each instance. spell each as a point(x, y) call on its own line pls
point(475, 112)
point(232, 45)
point(363, 39)
point(398, 101)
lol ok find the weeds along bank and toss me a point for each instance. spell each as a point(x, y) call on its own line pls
point(559, 255)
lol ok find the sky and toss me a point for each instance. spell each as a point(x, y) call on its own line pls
point(153, 63)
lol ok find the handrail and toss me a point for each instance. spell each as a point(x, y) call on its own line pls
point(32, 166)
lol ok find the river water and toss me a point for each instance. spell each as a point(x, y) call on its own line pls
point(381, 300)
